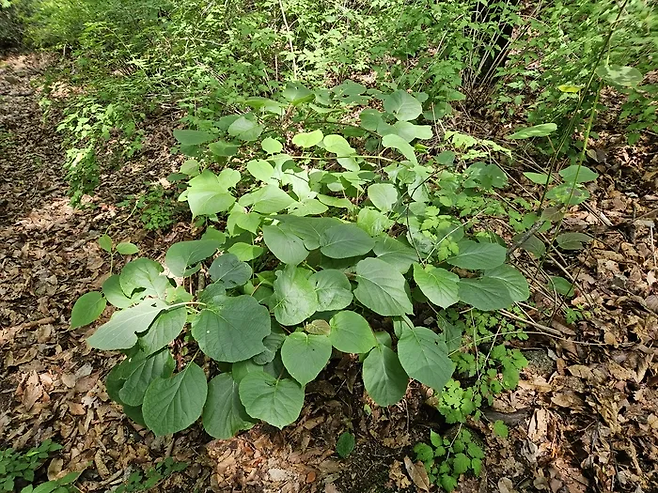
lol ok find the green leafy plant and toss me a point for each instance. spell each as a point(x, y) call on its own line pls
point(447, 458)
point(17, 467)
point(146, 480)
point(307, 258)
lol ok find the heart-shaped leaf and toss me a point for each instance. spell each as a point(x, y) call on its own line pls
point(333, 289)
point(381, 288)
point(351, 333)
point(305, 355)
point(223, 414)
point(424, 356)
point(383, 376)
point(294, 297)
point(439, 285)
point(184, 254)
point(285, 245)
point(345, 240)
point(173, 404)
point(276, 401)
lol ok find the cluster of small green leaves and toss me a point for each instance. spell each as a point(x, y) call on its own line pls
point(146, 480)
point(446, 459)
point(334, 238)
point(22, 466)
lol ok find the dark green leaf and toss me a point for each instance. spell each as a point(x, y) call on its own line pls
point(184, 254)
point(424, 356)
point(383, 376)
point(276, 401)
point(351, 333)
point(345, 444)
point(381, 288)
point(223, 414)
point(230, 271)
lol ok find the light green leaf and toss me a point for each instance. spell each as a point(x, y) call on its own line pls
point(127, 248)
point(286, 246)
point(485, 293)
point(333, 289)
point(230, 271)
point(184, 254)
point(115, 295)
point(143, 273)
point(370, 119)
point(381, 288)
point(578, 174)
point(373, 222)
point(337, 144)
point(395, 253)
point(190, 167)
point(207, 195)
point(514, 281)
point(351, 333)
point(305, 355)
point(622, 76)
point(222, 148)
point(223, 414)
point(294, 297)
point(297, 93)
point(424, 356)
point(271, 199)
point(271, 146)
point(342, 203)
point(105, 242)
point(309, 139)
point(166, 327)
point(276, 401)
point(537, 131)
point(159, 365)
point(403, 105)
point(192, 137)
point(119, 331)
point(383, 196)
point(500, 429)
point(233, 331)
point(345, 240)
point(439, 285)
point(396, 142)
point(87, 309)
point(245, 251)
point(260, 169)
point(245, 129)
point(538, 178)
point(478, 256)
point(173, 404)
point(383, 376)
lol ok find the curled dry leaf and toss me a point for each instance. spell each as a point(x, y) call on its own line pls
point(418, 474)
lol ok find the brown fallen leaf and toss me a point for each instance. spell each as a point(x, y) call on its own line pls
point(417, 473)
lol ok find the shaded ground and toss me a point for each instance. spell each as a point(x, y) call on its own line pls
point(585, 416)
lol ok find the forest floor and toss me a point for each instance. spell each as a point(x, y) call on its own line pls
point(584, 418)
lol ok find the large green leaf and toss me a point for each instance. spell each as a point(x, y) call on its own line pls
point(333, 289)
point(276, 401)
point(395, 253)
point(338, 145)
point(159, 365)
point(396, 142)
point(383, 376)
point(260, 169)
point(309, 229)
point(381, 288)
point(143, 274)
point(622, 76)
point(222, 148)
point(478, 256)
point(294, 296)
point(230, 271)
point(206, 194)
point(245, 129)
point(120, 331)
point(305, 355)
point(173, 404)
point(537, 131)
point(345, 240)
point(166, 327)
point(309, 139)
point(270, 199)
point(351, 333)
point(286, 246)
point(403, 105)
point(439, 285)
point(115, 295)
point(192, 137)
point(424, 356)
point(87, 309)
point(485, 293)
point(516, 283)
point(383, 196)
point(578, 174)
point(233, 331)
point(184, 254)
point(223, 414)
